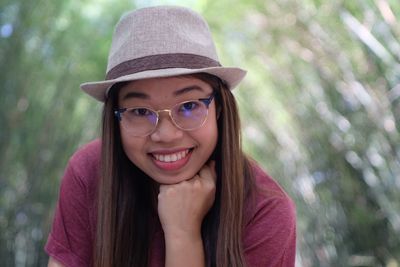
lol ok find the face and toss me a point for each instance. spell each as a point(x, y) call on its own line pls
point(169, 154)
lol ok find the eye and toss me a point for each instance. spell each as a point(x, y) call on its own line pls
point(140, 112)
point(188, 106)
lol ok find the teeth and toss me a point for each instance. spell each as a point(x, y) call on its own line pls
point(171, 157)
point(174, 157)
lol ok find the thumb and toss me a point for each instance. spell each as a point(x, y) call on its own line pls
point(208, 171)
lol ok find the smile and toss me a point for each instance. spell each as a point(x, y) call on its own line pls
point(171, 157)
point(171, 161)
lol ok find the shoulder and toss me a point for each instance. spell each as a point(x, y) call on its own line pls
point(270, 223)
point(84, 166)
point(269, 197)
point(73, 229)
point(87, 158)
point(87, 155)
point(264, 181)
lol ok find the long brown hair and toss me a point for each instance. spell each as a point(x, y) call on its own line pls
point(127, 215)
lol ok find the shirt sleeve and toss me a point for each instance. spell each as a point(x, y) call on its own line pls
point(69, 241)
point(270, 234)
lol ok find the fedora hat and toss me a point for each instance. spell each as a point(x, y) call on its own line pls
point(161, 41)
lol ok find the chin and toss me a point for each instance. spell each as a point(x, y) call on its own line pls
point(171, 179)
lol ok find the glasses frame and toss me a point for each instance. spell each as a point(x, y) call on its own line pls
point(118, 113)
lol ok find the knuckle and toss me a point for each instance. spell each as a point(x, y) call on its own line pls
point(196, 184)
point(170, 191)
point(211, 188)
point(184, 185)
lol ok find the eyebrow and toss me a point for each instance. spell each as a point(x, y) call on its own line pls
point(136, 95)
point(176, 93)
point(188, 89)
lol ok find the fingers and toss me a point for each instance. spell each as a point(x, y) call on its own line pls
point(206, 176)
point(182, 206)
point(164, 188)
point(208, 172)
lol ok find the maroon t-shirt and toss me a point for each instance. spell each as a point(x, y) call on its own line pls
point(269, 237)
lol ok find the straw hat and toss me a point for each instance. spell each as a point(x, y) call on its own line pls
point(161, 41)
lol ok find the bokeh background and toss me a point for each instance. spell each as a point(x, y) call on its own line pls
point(320, 110)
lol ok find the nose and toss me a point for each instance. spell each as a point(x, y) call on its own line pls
point(166, 131)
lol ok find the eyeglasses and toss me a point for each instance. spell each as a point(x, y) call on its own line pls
point(142, 121)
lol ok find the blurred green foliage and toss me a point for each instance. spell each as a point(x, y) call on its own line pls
point(320, 111)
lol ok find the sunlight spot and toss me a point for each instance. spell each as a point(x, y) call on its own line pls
point(32, 44)
point(362, 260)
point(376, 159)
point(21, 219)
point(395, 221)
point(307, 55)
point(392, 263)
point(354, 159)
point(23, 104)
point(361, 94)
point(92, 9)
point(6, 30)
point(62, 23)
point(336, 141)
point(306, 188)
point(389, 125)
point(37, 234)
point(386, 12)
point(254, 134)
point(343, 124)
point(370, 178)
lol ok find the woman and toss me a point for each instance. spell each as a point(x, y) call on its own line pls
point(168, 184)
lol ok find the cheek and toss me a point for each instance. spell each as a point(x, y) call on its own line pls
point(208, 134)
point(132, 146)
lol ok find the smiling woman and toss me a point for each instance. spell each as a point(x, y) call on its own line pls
point(168, 184)
point(193, 135)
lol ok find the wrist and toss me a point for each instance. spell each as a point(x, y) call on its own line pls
point(179, 236)
point(184, 249)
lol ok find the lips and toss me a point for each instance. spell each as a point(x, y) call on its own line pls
point(171, 157)
point(171, 160)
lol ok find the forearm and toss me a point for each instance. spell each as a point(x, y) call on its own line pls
point(181, 208)
point(184, 251)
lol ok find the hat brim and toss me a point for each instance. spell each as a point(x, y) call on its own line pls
point(99, 90)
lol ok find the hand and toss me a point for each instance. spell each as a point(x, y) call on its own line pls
point(182, 206)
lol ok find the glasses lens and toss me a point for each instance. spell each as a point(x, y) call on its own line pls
point(189, 115)
point(139, 121)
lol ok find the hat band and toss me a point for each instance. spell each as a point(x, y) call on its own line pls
point(163, 61)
